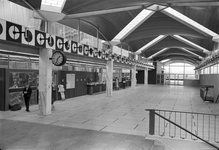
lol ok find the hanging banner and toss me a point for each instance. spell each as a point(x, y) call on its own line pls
point(103, 54)
point(86, 50)
point(50, 41)
point(67, 46)
point(28, 37)
point(99, 54)
point(2, 29)
point(80, 49)
point(14, 32)
point(91, 52)
point(95, 52)
point(40, 39)
point(59, 43)
point(74, 47)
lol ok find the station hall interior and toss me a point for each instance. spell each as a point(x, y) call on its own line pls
point(109, 74)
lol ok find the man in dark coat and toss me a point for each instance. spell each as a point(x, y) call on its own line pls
point(27, 94)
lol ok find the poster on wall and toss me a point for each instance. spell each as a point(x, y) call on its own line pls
point(70, 81)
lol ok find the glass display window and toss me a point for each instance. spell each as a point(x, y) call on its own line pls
point(20, 79)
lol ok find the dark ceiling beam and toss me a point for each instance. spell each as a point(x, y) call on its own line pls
point(196, 4)
point(102, 12)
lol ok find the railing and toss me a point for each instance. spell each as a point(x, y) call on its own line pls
point(204, 127)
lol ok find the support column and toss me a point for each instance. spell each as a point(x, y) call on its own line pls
point(133, 84)
point(146, 76)
point(109, 78)
point(45, 78)
point(45, 81)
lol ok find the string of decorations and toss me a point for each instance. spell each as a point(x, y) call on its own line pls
point(209, 60)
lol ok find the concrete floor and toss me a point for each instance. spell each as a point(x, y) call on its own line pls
point(98, 122)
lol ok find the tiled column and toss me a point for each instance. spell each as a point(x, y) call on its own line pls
point(146, 76)
point(109, 78)
point(45, 81)
point(133, 84)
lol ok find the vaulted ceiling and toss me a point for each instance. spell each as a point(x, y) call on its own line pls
point(111, 16)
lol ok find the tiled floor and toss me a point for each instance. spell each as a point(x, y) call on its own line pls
point(123, 113)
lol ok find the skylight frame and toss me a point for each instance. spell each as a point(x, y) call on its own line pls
point(184, 49)
point(132, 25)
point(191, 43)
point(151, 43)
point(175, 14)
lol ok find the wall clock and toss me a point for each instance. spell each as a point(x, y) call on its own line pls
point(58, 58)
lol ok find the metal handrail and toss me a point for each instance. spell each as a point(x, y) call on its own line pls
point(180, 111)
point(152, 125)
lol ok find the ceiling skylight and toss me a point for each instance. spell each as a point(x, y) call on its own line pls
point(52, 5)
point(55, 3)
point(190, 43)
point(136, 22)
point(161, 51)
point(151, 43)
point(177, 15)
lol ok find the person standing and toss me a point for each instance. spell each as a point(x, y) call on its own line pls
point(53, 95)
point(27, 94)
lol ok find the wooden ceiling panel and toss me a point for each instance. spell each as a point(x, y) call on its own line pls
point(80, 6)
point(168, 42)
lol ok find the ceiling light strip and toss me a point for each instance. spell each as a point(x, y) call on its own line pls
point(175, 14)
point(159, 52)
point(192, 53)
point(153, 42)
point(190, 43)
point(136, 22)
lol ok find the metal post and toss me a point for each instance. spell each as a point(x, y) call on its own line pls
point(151, 122)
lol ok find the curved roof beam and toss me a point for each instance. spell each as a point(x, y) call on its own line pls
point(153, 42)
point(187, 21)
point(135, 23)
point(190, 43)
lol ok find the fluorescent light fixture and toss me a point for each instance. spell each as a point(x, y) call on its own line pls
point(165, 60)
point(192, 53)
point(177, 15)
point(161, 51)
point(13, 52)
point(136, 22)
point(191, 43)
point(52, 5)
point(151, 43)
